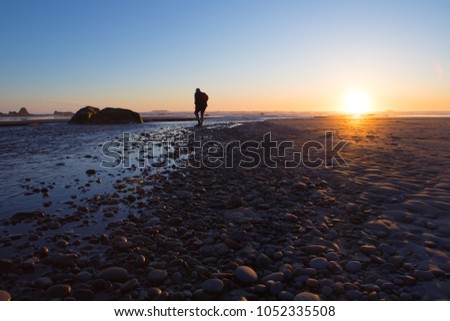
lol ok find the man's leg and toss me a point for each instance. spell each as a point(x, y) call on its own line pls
point(196, 116)
point(202, 112)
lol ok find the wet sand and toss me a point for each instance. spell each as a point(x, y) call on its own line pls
point(376, 230)
point(33, 122)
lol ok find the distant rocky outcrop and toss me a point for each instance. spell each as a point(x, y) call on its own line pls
point(23, 112)
point(63, 113)
point(108, 115)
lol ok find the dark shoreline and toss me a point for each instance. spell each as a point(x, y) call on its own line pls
point(34, 122)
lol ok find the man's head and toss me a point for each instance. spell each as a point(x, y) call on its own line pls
point(197, 90)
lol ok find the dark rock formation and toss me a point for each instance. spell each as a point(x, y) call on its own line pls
point(84, 115)
point(63, 113)
point(116, 116)
point(23, 112)
point(93, 115)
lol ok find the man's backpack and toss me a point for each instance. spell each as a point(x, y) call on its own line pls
point(205, 97)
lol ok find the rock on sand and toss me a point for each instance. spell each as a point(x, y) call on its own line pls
point(306, 296)
point(114, 273)
point(5, 296)
point(212, 285)
point(245, 274)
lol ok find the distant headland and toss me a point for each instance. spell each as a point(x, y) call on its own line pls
point(23, 112)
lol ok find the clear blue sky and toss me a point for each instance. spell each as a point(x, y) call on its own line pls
point(247, 55)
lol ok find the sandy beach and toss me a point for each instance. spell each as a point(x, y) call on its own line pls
point(369, 223)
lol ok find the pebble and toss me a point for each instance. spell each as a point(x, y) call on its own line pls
point(276, 288)
point(315, 249)
point(388, 286)
point(164, 296)
point(351, 208)
point(410, 280)
point(310, 271)
point(326, 290)
point(263, 260)
point(235, 201)
point(353, 266)
point(83, 294)
point(156, 277)
point(54, 225)
point(239, 215)
point(260, 288)
point(368, 249)
point(187, 294)
point(423, 275)
point(319, 263)
point(245, 274)
point(43, 282)
point(114, 273)
point(213, 285)
point(285, 296)
point(83, 276)
point(306, 296)
point(405, 297)
point(64, 259)
point(335, 267)
point(176, 278)
point(291, 218)
point(98, 284)
point(362, 258)
point(277, 276)
point(386, 249)
point(207, 250)
point(300, 186)
point(353, 295)
point(338, 287)
point(277, 255)
point(177, 296)
point(140, 261)
point(129, 285)
point(59, 291)
point(5, 296)
point(437, 272)
point(154, 292)
point(5, 265)
point(202, 295)
point(232, 244)
point(42, 251)
point(312, 283)
point(62, 243)
point(371, 287)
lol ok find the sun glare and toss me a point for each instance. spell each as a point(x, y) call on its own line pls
point(357, 102)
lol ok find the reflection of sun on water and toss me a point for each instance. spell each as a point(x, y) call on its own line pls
point(357, 102)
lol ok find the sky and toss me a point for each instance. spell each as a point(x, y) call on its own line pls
point(247, 55)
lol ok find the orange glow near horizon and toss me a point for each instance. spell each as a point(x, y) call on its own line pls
point(334, 98)
point(357, 102)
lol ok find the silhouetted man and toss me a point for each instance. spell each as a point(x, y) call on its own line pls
point(201, 102)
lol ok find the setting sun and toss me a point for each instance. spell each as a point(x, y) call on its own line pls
point(357, 102)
